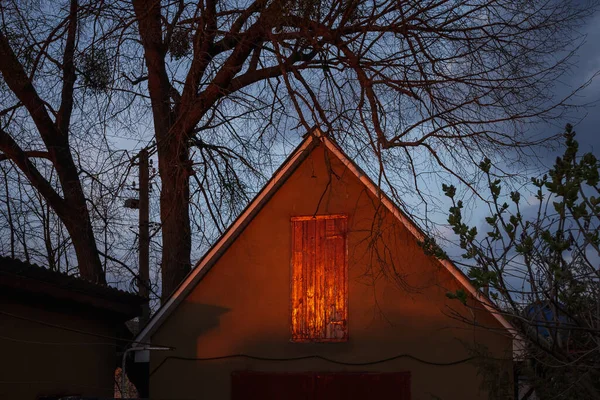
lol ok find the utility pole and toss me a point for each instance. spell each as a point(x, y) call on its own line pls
point(144, 237)
point(142, 205)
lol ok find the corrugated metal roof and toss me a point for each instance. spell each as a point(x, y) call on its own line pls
point(24, 277)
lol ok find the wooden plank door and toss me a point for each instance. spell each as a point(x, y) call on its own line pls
point(319, 284)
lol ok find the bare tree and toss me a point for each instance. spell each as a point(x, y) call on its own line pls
point(62, 178)
point(431, 79)
point(51, 123)
point(435, 83)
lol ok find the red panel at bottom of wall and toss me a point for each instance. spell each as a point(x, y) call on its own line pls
point(253, 385)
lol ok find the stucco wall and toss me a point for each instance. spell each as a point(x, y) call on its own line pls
point(38, 360)
point(397, 302)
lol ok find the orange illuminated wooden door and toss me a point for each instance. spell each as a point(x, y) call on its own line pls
point(319, 287)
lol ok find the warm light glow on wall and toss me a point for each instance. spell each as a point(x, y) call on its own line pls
point(319, 279)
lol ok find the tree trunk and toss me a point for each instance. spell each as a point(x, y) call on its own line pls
point(173, 152)
point(9, 214)
point(80, 230)
point(76, 216)
point(173, 159)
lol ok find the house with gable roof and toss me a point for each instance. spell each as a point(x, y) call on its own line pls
point(319, 289)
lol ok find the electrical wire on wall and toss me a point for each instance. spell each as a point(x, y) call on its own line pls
point(232, 356)
point(11, 339)
point(314, 357)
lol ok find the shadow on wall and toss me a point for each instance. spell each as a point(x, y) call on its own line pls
point(208, 316)
point(205, 318)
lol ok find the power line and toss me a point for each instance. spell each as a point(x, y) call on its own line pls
point(64, 328)
point(72, 383)
point(55, 343)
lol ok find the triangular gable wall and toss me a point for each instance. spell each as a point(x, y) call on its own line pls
point(278, 179)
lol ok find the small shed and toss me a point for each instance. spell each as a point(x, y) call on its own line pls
point(59, 334)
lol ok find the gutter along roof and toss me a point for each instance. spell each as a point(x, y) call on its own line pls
point(281, 175)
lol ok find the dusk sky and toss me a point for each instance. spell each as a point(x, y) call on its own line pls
point(587, 64)
point(586, 121)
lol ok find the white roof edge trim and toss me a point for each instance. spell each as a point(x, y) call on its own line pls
point(185, 287)
point(408, 224)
